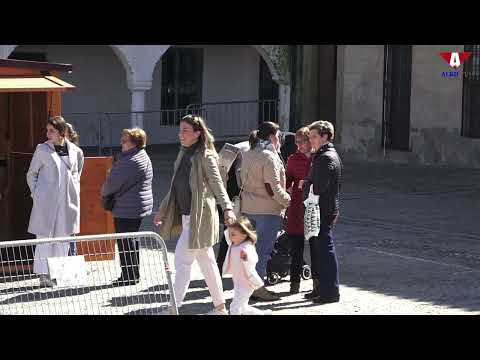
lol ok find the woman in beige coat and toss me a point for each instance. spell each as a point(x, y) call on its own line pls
point(189, 209)
point(264, 198)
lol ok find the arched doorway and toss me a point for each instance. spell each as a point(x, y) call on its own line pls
point(101, 86)
point(230, 83)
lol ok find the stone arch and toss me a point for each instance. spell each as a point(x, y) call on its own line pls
point(118, 51)
point(121, 51)
point(271, 62)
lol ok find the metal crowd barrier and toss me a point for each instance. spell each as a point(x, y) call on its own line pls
point(85, 284)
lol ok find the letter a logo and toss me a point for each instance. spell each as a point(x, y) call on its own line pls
point(455, 59)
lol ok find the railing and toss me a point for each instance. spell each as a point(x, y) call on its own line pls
point(86, 284)
point(227, 120)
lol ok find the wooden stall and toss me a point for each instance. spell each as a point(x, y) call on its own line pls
point(30, 92)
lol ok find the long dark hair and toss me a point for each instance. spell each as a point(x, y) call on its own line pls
point(58, 123)
point(72, 135)
point(264, 131)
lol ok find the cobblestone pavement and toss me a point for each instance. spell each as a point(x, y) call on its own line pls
point(408, 242)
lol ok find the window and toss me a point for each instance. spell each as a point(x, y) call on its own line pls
point(471, 94)
point(181, 77)
point(396, 97)
point(182, 70)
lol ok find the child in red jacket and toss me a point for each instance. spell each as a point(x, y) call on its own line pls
point(298, 165)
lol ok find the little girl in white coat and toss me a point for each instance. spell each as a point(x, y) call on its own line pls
point(240, 262)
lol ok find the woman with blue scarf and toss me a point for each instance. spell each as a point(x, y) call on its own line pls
point(263, 195)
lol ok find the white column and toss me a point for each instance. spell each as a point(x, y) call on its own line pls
point(138, 87)
point(138, 104)
point(284, 107)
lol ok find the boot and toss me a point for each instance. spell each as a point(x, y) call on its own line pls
point(294, 287)
point(314, 293)
point(263, 294)
point(326, 300)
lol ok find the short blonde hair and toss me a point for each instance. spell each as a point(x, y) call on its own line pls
point(137, 136)
point(303, 132)
point(323, 127)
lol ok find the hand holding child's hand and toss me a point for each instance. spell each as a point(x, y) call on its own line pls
point(243, 255)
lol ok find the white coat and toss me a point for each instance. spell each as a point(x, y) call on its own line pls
point(243, 271)
point(43, 178)
point(245, 277)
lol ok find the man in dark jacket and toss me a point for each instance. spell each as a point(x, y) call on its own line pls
point(325, 175)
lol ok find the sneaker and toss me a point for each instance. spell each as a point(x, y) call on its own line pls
point(262, 294)
point(217, 312)
point(250, 310)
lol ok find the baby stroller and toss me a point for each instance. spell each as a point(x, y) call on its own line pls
point(278, 266)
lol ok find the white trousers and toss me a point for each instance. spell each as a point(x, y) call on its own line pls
point(239, 305)
point(44, 251)
point(184, 258)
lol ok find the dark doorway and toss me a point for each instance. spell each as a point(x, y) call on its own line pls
point(397, 92)
point(327, 83)
point(267, 95)
point(182, 70)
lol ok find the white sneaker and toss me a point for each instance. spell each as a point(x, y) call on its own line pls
point(217, 312)
point(250, 310)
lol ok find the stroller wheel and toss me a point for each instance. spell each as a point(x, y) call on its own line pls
point(306, 272)
point(284, 274)
point(273, 278)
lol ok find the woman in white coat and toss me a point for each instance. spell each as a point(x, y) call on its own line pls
point(54, 182)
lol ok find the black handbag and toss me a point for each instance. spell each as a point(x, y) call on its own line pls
point(108, 202)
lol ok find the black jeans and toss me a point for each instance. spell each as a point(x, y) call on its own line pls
point(128, 248)
point(324, 261)
point(296, 251)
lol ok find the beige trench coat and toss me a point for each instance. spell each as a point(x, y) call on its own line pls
point(207, 189)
